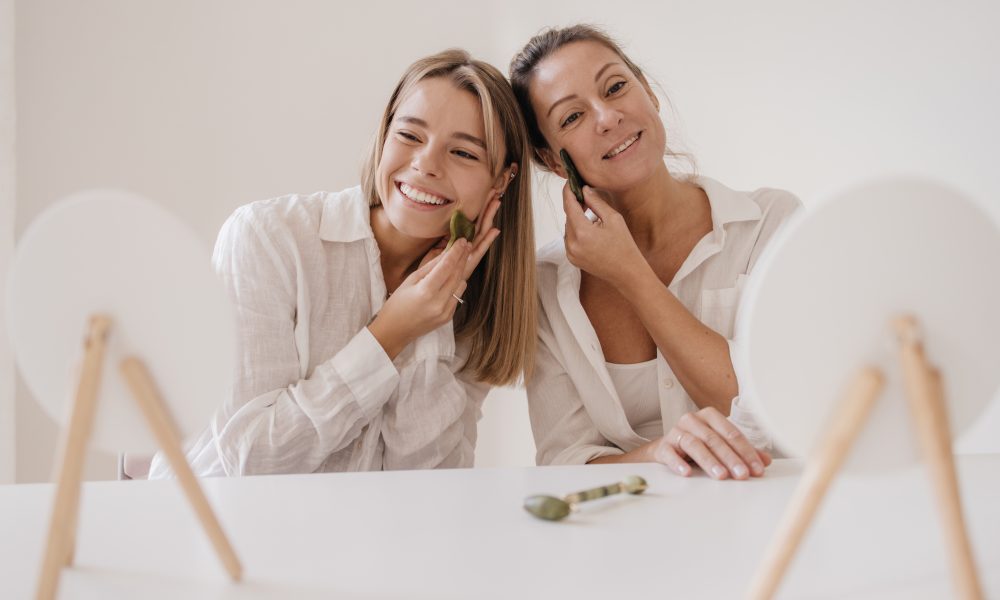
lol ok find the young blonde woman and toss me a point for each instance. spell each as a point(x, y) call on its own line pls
point(363, 344)
point(638, 301)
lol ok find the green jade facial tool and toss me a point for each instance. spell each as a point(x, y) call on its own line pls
point(576, 183)
point(551, 508)
point(461, 226)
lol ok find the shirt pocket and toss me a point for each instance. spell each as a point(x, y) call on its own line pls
point(718, 307)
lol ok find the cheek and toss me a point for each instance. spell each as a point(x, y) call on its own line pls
point(474, 197)
point(387, 166)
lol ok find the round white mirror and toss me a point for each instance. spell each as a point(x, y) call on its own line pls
point(123, 256)
point(820, 304)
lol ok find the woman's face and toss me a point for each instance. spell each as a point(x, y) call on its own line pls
point(589, 102)
point(434, 160)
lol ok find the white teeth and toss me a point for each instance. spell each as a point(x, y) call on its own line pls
point(622, 148)
point(421, 197)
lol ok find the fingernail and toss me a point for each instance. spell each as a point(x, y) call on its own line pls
point(683, 469)
point(740, 471)
point(718, 471)
point(757, 467)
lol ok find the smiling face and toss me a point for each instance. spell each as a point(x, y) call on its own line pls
point(434, 160)
point(589, 102)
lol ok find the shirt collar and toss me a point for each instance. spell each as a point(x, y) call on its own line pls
point(346, 217)
point(728, 206)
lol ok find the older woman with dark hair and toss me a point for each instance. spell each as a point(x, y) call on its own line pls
point(638, 300)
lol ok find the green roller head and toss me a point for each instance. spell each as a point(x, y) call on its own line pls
point(461, 226)
point(547, 507)
point(576, 182)
point(633, 484)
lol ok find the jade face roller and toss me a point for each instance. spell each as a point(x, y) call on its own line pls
point(551, 508)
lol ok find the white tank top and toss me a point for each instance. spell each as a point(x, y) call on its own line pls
point(636, 387)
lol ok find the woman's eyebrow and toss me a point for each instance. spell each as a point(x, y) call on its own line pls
point(469, 138)
point(413, 120)
point(605, 68)
point(458, 134)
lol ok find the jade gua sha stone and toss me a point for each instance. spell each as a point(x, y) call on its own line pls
point(576, 182)
point(461, 226)
point(551, 508)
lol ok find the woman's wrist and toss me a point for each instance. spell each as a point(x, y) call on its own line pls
point(387, 337)
point(635, 280)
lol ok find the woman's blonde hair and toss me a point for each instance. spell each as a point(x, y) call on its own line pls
point(498, 318)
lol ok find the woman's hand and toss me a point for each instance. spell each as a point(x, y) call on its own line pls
point(605, 249)
point(706, 438)
point(711, 441)
point(424, 301)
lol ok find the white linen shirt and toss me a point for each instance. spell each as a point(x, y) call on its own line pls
point(313, 388)
point(576, 412)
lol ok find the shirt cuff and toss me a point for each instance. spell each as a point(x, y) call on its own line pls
point(584, 454)
point(744, 420)
point(366, 369)
point(436, 344)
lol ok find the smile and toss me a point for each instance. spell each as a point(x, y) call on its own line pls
point(420, 196)
point(623, 146)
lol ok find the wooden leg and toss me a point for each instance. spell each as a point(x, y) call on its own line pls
point(926, 395)
point(141, 384)
point(62, 526)
point(816, 479)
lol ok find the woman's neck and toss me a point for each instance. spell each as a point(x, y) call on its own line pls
point(400, 253)
point(656, 208)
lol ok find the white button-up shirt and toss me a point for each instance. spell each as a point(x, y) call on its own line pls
point(314, 390)
point(576, 412)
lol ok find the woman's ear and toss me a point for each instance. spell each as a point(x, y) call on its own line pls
point(552, 162)
point(505, 178)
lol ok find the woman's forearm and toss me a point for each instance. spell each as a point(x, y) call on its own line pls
point(698, 356)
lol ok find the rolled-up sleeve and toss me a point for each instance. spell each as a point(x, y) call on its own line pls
point(277, 421)
point(432, 421)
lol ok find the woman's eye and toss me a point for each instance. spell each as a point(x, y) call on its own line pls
point(406, 135)
point(464, 154)
point(616, 88)
point(570, 119)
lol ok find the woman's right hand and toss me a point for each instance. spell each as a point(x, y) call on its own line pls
point(604, 248)
point(708, 439)
point(426, 300)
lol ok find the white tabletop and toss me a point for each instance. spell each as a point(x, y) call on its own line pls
point(464, 534)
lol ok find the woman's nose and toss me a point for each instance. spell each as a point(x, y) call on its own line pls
point(608, 117)
point(426, 161)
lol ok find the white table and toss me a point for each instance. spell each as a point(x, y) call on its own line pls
point(463, 534)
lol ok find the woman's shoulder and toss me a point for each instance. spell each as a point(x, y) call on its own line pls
point(767, 204)
point(775, 202)
point(283, 225)
point(291, 209)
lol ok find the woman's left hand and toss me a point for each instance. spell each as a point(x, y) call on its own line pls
point(605, 249)
point(486, 234)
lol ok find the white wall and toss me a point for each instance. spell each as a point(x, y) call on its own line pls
point(203, 106)
point(7, 168)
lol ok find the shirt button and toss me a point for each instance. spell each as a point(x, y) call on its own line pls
point(668, 383)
